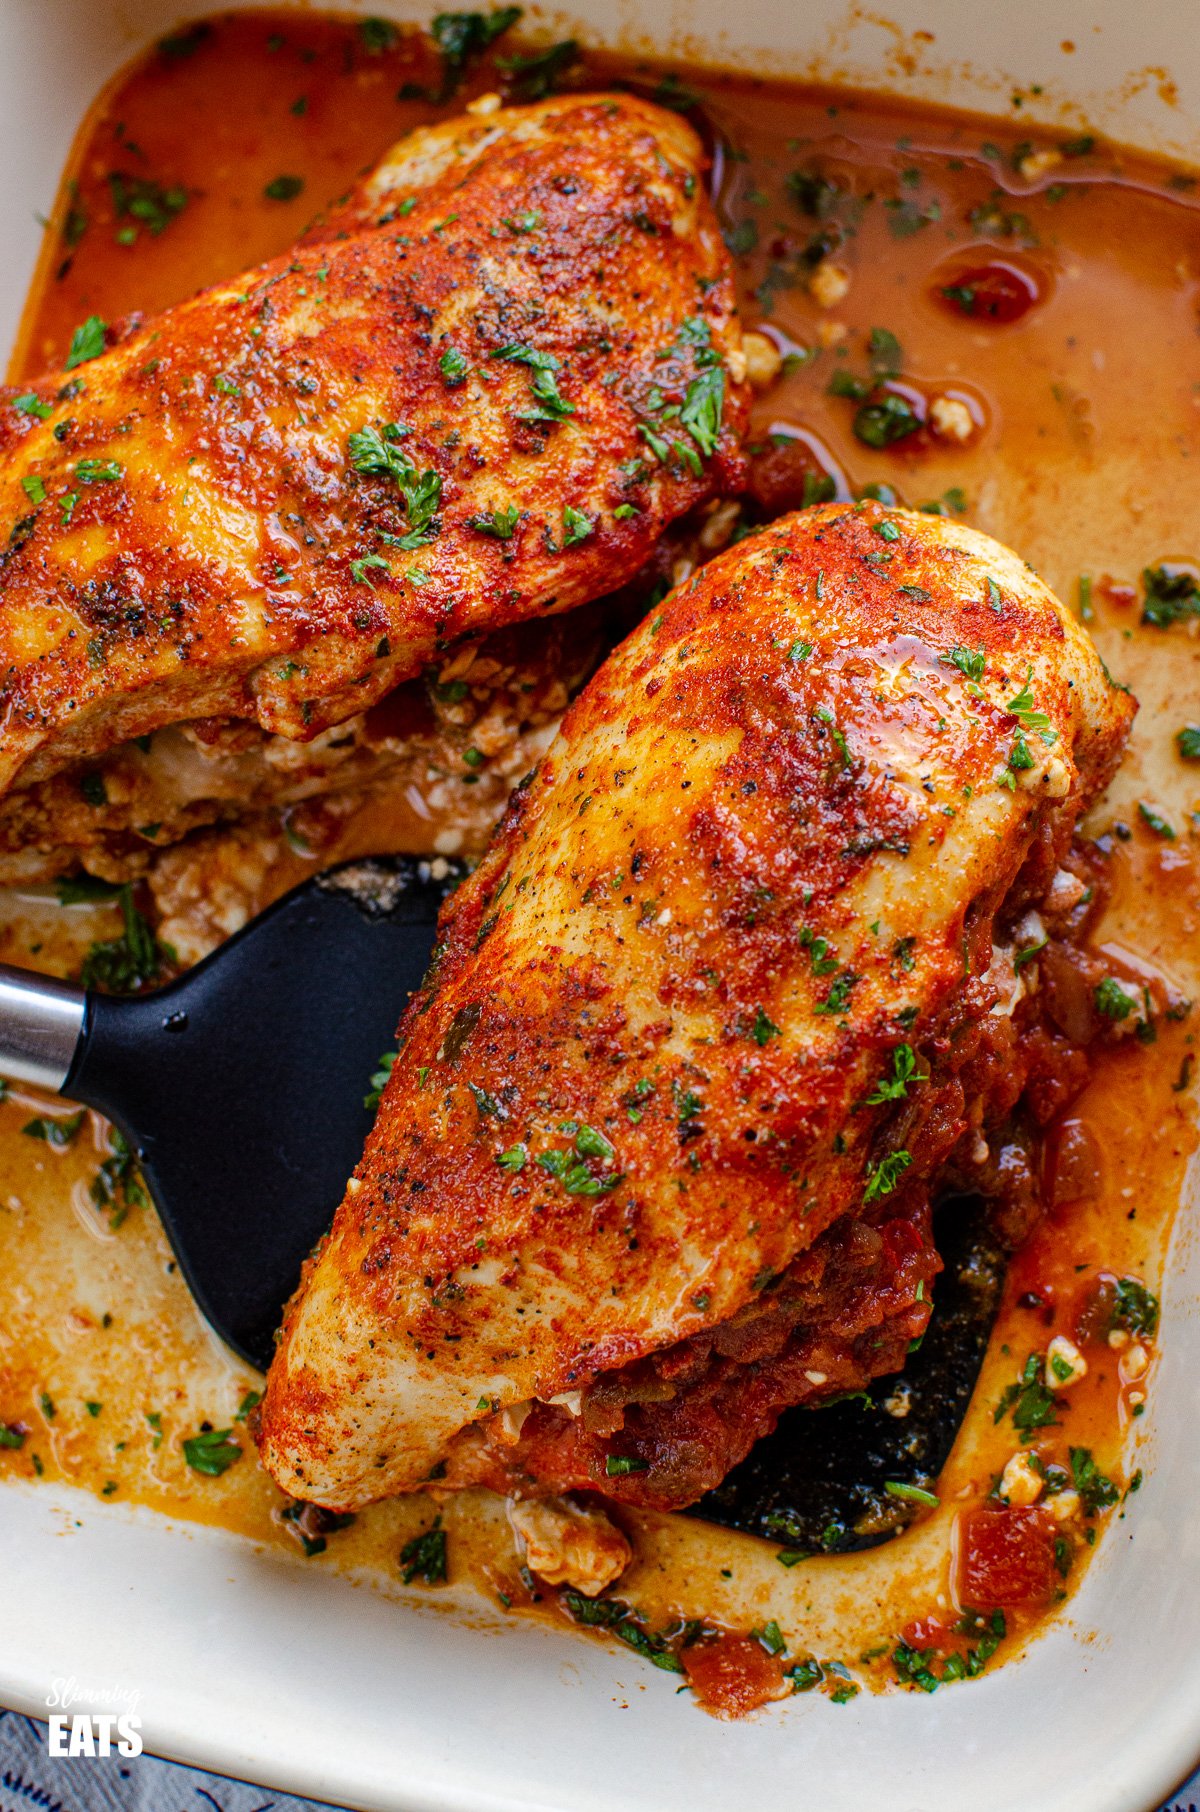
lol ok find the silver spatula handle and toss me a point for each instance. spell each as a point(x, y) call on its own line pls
point(40, 1023)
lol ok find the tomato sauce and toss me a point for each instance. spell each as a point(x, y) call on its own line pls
point(950, 300)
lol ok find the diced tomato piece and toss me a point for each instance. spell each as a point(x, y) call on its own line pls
point(929, 1632)
point(1000, 292)
point(1005, 1557)
point(733, 1675)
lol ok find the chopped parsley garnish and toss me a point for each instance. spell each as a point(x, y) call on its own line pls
point(515, 352)
point(577, 525)
point(771, 1637)
point(550, 406)
point(1019, 757)
point(122, 965)
point(844, 383)
point(116, 1186)
point(283, 188)
point(1031, 1403)
point(1022, 707)
point(915, 1667)
point(59, 1133)
point(513, 1159)
point(378, 454)
point(11, 1436)
point(895, 1086)
point(453, 366)
point(970, 661)
point(824, 715)
point(912, 1494)
point(98, 471)
point(486, 1103)
point(87, 342)
point(360, 568)
point(250, 1401)
point(147, 203)
point(619, 1465)
point(211, 1452)
point(764, 1029)
point(423, 1556)
point(838, 998)
point(885, 353)
point(31, 404)
point(535, 74)
point(819, 949)
point(906, 217)
point(1171, 597)
point(571, 1167)
point(1157, 823)
point(620, 1620)
point(1187, 741)
point(1111, 999)
point(1096, 1491)
point(882, 423)
point(376, 35)
point(702, 407)
point(882, 1178)
point(379, 1080)
point(1134, 1308)
point(460, 36)
point(34, 487)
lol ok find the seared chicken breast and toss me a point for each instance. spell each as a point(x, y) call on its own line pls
point(733, 986)
point(476, 394)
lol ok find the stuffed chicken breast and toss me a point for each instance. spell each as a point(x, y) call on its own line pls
point(742, 980)
point(476, 394)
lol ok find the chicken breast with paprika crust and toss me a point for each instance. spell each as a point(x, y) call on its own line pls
point(475, 394)
point(733, 991)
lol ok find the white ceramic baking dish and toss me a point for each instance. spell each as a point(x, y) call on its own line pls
point(295, 1677)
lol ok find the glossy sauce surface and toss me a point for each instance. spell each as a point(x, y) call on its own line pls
point(1080, 450)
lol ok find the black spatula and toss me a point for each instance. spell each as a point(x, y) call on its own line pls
point(241, 1085)
point(241, 1089)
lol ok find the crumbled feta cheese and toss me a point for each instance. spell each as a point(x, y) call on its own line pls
point(763, 360)
point(1021, 1482)
point(950, 419)
point(1063, 1505)
point(1065, 1364)
point(1135, 1362)
point(1066, 891)
point(828, 284)
point(1039, 163)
